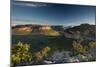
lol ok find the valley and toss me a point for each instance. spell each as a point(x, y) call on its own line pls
point(47, 43)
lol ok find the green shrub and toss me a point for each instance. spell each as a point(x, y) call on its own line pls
point(20, 53)
point(42, 54)
point(92, 45)
point(78, 48)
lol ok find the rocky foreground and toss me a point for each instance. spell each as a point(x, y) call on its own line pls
point(64, 57)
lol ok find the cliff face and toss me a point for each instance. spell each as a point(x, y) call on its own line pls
point(84, 31)
point(22, 30)
point(40, 29)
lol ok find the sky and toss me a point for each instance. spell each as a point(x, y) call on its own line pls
point(51, 14)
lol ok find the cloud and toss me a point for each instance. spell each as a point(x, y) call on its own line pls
point(21, 21)
point(30, 4)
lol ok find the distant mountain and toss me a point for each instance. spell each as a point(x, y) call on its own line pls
point(38, 29)
point(81, 32)
point(82, 28)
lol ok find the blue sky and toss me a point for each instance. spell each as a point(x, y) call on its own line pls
point(51, 14)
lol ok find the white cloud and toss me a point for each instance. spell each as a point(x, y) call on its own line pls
point(31, 4)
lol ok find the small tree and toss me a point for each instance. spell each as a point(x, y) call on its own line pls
point(20, 53)
point(38, 56)
point(41, 54)
point(92, 45)
point(78, 47)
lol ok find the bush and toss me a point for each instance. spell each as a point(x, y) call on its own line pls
point(92, 45)
point(20, 53)
point(78, 48)
point(41, 54)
